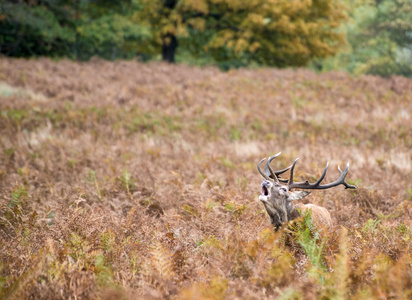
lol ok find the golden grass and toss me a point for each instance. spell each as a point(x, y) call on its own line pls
point(129, 180)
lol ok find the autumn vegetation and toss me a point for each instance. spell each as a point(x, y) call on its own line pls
point(358, 36)
point(124, 180)
point(268, 32)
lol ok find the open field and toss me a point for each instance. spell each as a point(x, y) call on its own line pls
point(139, 181)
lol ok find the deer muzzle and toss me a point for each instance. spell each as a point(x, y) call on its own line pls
point(266, 185)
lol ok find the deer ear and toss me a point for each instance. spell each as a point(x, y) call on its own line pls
point(298, 195)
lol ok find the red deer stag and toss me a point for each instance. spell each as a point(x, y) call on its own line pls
point(278, 198)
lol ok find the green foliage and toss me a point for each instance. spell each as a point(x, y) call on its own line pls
point(18, 196)
point(277, 33)
point(153, 123)
point(380, 38)
point(228, 33)
point(236, 209)
point(242, 182)
point(127, 182)
point(91, 178)
point(227, 162)
point(356, 181)
point(409, 192)
point(371, 226)
point(235, 134)
point(108, 240)
point(44, 28)
point(308, 237)
point(109, 30)
point(9, 152)
point(77, 29)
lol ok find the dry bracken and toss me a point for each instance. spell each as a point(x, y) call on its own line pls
point(133, 181)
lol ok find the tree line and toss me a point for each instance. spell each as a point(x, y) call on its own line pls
point(360, 36)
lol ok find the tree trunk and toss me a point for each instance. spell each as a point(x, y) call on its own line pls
point(169, 48)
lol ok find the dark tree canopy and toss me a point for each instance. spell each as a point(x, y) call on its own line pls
point(74, 28)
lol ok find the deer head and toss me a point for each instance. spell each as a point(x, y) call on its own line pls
point(277, 195)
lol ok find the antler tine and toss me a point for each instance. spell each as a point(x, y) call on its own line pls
point(260, 170)
point(267, 167)
point(323, 174)
point(280, 171)
point(316, 185)
point(343, 174)
point(290, 181)
point(275, 174)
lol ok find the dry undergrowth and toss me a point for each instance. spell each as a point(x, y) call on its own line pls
point(129, 180)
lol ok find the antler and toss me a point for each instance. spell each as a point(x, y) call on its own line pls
point(268, 172)
point(316, 185)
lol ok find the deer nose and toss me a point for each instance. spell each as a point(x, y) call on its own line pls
point(265, 183)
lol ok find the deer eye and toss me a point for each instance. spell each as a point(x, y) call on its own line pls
point(283, 189)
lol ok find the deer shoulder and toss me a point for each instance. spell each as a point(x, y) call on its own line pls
point(279, 198)
point(320, 215)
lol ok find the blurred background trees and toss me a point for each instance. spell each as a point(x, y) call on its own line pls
point(359, 36)
point(268, 32)
point(78, 29)
point(379, 35)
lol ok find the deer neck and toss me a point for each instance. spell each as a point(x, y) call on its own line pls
point(294, 214)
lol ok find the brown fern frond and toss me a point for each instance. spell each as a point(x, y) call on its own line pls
point(341, 269)
point(152, 287)
point(163, 260)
